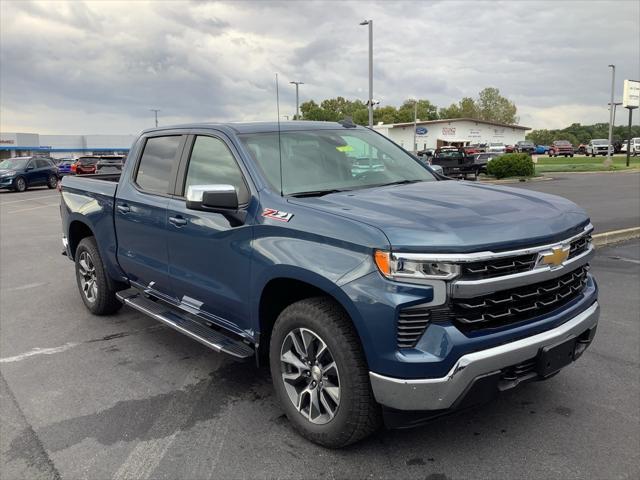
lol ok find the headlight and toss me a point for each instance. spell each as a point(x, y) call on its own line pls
point(7, 174)
point(414, 268)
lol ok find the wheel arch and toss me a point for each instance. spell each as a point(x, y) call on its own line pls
point(77, 231)
point(281, 291)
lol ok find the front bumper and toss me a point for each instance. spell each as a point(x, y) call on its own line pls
point(449, 391)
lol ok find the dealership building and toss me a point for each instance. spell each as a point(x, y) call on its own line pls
point(60, 146)
point(459, 132)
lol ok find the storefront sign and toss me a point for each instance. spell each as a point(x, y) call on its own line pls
point(421, 131)
point(7, 142)
point(449, 131)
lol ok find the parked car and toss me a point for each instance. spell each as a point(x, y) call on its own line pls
point(20, 173)
point(454, 161)
point(85, 165)
point(64, 167)
point(598, 146)
point(496, 148)
point(561, 147)
point(509, 148)
point(524, 146)
point(635, 146)
point(582, 149)
point(541, 149)
point(392, 296)
point(471, 150)
point(483, 160)
point(110, 164)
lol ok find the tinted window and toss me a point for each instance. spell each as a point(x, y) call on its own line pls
point(88, 161)
point(158, 159)
point(212, 163)
point(42, 163)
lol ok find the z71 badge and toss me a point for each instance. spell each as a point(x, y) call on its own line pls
point(277, 214)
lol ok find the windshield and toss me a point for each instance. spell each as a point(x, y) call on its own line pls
point(599, 142)
point(562, 142)
point(496, 144)
point(317, 161)
point(13, 163)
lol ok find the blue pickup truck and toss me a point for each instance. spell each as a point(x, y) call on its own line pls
point(384, 294)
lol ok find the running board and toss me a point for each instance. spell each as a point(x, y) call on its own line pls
point(213, 339)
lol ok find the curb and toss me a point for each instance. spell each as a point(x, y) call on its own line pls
point(615, 236)
point(508, 181)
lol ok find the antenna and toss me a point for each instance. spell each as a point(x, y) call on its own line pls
point(279, 141)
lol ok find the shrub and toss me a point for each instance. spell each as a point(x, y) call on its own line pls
point(511, 165)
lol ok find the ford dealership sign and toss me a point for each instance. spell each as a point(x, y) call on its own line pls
point(421, 131)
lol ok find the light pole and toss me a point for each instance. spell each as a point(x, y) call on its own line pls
point(415, 125)
point(370, 102)
point(155, 111)
point(297, 84)
point(611, 108)
point(630, 108)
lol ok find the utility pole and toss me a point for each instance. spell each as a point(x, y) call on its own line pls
point(297, 84)
point(370, 102)
point(415, 125)
point(155, 111)
point(630, 108)
point(611, 108)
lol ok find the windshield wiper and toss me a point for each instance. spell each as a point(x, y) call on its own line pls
point(315, 193)
point(399, 182)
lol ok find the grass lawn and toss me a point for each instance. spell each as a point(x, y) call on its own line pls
point(583, 164)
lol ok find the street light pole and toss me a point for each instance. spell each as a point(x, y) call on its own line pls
point(630, 108)
point(297, 84)
point(611, 108)
point(415, 125)
point(155, 111)
point(370, 102)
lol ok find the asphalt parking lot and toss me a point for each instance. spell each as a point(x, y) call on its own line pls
point(611, 199)
point(124, 397)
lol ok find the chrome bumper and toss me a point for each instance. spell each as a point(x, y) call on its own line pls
point(441, 393)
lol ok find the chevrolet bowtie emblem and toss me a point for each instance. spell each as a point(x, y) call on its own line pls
point(555, 257)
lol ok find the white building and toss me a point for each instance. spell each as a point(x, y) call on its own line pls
point(460, 132)
point(59, 146)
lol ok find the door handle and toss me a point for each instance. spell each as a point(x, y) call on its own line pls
point(178, 221)
point(123, 208)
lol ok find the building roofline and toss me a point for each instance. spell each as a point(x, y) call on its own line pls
point(449, 120)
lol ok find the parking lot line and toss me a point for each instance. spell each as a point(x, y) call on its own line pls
point(2, 204)
point(39, 351)
point(32, 208)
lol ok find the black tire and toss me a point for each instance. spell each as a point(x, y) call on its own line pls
point(357, 415)
point(19, 184)
point(52, 181)
point(102, 300)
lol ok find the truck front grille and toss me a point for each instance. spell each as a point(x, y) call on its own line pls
point(498, 267)
point(518, 304)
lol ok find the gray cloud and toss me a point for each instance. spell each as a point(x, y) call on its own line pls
point(98, 67)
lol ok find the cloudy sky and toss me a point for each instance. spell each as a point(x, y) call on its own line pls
point(98, 67)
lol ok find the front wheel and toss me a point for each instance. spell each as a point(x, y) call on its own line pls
point(97, 292)
point(320, 375)
point(20, 184)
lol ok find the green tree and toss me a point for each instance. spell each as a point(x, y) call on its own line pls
point(426, 111)
point(465, 108)
point(494, 107)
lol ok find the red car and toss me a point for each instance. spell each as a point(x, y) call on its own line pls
point(510, 149)
point(561, 147)
point(85, 165)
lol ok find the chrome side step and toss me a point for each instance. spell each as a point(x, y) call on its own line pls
point(213, 339)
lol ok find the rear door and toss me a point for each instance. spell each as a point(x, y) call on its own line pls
point(210, 255)
point(141, 211)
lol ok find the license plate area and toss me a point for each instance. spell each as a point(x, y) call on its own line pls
point(554, 357)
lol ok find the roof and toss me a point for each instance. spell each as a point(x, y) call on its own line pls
point(452, 120)
point(256, 127)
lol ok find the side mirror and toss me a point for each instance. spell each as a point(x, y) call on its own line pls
point(30, 167)
point(216, 198)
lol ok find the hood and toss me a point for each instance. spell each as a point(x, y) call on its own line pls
point(451, 216)
point(4, 172)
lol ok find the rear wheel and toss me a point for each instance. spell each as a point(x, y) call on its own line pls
point(320, 375)
point(20, 184)
point(52, 181)
point(97, 292)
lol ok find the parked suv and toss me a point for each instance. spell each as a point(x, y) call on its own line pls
point(525, 146)
point(382, 294)
point(561, 147)
point(20, 173)
point(598, 146)
point(85, 165)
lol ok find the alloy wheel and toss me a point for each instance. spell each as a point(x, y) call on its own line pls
point(310, 375)
point(87, 272)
